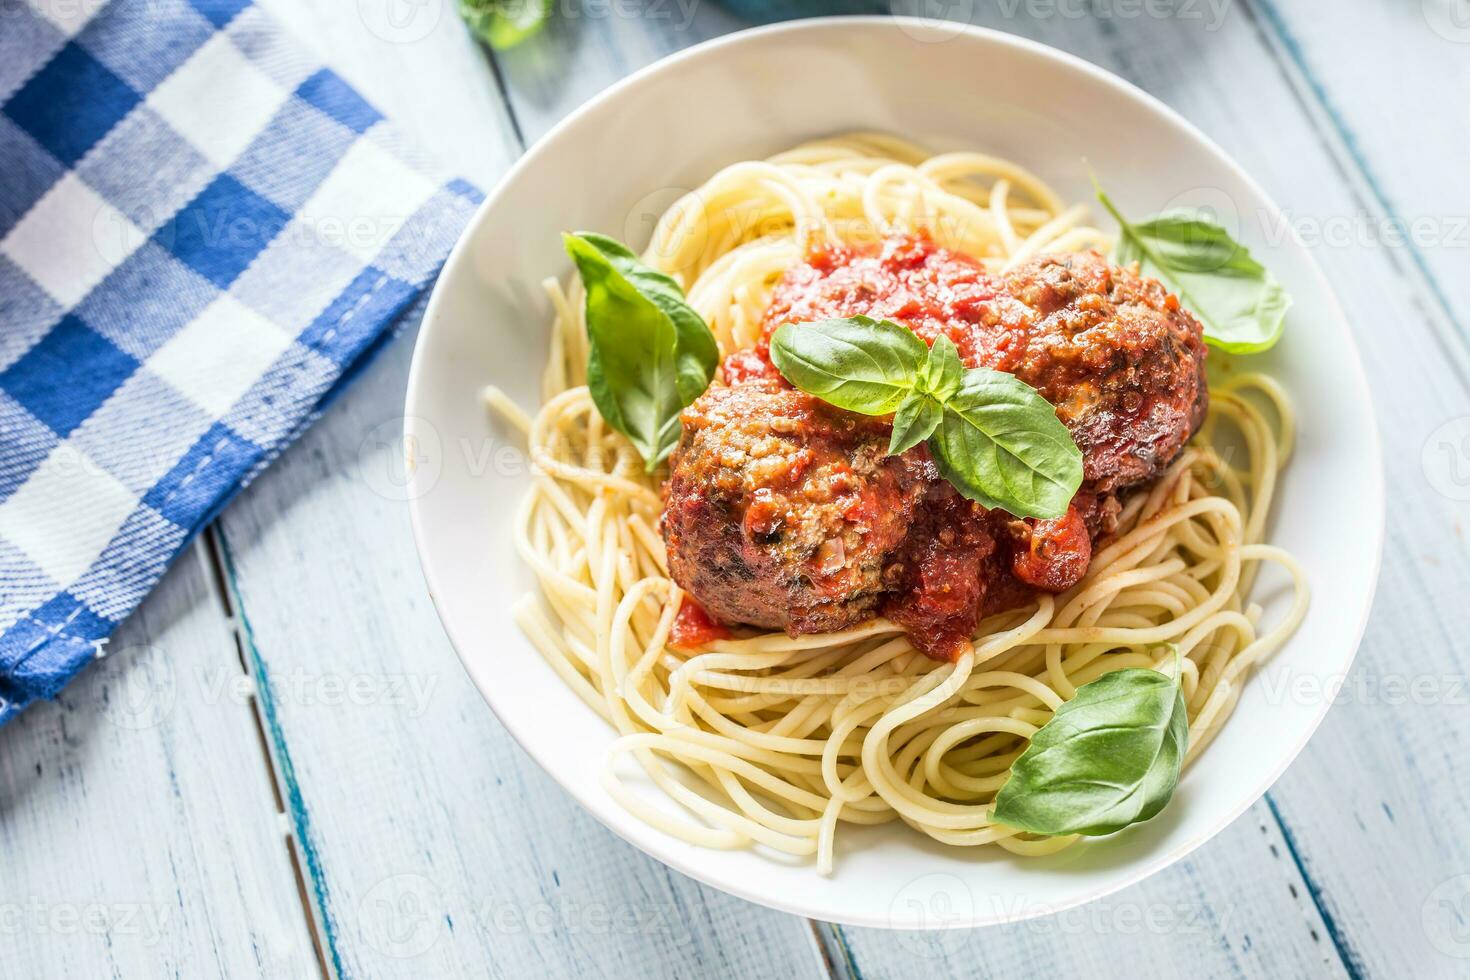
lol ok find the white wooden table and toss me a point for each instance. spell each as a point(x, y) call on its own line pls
point(282, 770)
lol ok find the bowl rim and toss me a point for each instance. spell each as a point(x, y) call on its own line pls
point(649, 74)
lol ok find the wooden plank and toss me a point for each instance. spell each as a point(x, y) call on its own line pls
point(604, 45)
point(1399, 154)
point(140, 835)
point(433, 845)
point(1385, 891)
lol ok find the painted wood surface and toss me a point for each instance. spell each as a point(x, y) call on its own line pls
point(1374, 801)
point(139, 831)
point(429, 845)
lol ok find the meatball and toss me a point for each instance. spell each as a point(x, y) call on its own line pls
point(780, 510)
point(783, 512)
point(1114, 352)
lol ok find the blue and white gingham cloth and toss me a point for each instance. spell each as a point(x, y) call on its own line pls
point(202, 233)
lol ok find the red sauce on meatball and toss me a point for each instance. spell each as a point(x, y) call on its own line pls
point(780, 510)
point(748, 365)
point(693, 628)
point(1053, 555)
point(908, 279)
point(936, 577)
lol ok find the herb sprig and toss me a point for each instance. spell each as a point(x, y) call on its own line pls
point(651, 353)
point(993, 436)
point(1242, 306)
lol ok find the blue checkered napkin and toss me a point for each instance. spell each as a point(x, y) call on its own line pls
point(202, 232)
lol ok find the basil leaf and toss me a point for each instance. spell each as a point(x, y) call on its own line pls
point(942, 370)
point(1001, 444)
point(993, 436)
point(916, 419)
point(1108, 758)
point(650, 353)
point(696, 353)
point(504, 23)
point(856, 363)
point(1242, 306)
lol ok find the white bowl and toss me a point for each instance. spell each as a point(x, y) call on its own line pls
point(613, 165)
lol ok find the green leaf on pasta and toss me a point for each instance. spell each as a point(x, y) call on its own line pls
point(650, 352)
point(942, 370)
point(993, 436)
point(1242, 306)
point(1108, 758)
point(696, 353)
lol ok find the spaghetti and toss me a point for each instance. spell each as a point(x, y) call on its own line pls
point(779, 740)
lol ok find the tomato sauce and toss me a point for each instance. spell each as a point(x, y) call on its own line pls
point(938, 575)
point(908, 279)
point(693, 628)
point(1053, 555)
